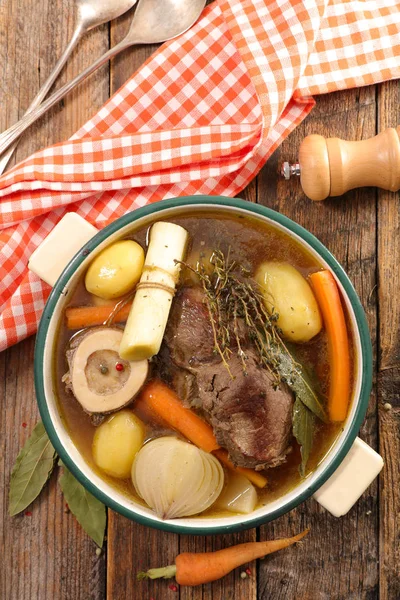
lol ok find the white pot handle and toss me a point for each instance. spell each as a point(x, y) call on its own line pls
point(66, 239)
point(350, 480)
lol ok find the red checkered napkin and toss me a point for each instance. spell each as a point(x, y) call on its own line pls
point(201, 116)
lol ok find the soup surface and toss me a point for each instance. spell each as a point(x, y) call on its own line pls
point(249, 243)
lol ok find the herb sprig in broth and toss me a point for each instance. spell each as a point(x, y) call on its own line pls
point(233, 298)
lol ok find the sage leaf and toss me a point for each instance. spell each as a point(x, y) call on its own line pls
point(303, 431)
point(297, 380)
point(32, 469)
point(89, 512)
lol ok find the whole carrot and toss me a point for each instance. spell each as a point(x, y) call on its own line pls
point(328, 298)
point(194, 569)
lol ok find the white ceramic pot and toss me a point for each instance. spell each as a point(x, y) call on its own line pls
point(349, 466)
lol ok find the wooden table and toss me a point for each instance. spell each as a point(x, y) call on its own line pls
point(46, 556)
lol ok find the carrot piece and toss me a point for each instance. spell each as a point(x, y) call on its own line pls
point(165, 403)
point(328, 298)
point(195, 569)
point(253, 476)
point(86, 316)
point(162, 401)
point(146, 413)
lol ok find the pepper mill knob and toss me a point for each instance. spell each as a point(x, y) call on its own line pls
point(331, 166)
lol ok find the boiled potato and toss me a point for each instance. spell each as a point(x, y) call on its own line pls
point(199, 255)
point(287, 293)
point(116, 443)
point(238, 496)
point(116, 270)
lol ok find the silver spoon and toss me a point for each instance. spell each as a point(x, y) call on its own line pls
point(154, 21)
point(90, 14)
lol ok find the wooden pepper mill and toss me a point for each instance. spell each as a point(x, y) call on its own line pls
point(331, 167)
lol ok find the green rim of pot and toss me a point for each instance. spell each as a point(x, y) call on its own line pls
point(366, 349)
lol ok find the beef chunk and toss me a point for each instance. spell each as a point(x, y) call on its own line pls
point(250, 418)
point(189, 333)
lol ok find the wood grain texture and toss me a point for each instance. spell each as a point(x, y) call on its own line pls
point(33, 34)
point(45, 555)
point(389, 362)
point(132, 548)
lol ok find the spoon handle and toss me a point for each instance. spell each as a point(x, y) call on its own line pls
point(46, 88)
point(14, 132)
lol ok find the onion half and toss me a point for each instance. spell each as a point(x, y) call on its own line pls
point(175, 478)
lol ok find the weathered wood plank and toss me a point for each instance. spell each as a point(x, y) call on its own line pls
point(132, 548)
point(46, 555)
point(33, 34)
point(338, 560)
point(389, 361)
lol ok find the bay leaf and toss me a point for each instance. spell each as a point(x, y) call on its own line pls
point(33, 467)
point(90, 513)
point(303, 431)
point(297, 379)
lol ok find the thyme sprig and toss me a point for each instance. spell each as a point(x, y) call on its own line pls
point(238, 315)
point(232, 299)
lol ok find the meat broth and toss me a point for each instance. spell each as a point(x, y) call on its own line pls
point(249, 242)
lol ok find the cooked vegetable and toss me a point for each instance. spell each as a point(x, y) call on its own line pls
point(288, 294)
point(98, 378)
point(166, 404)
point(116, 443)
point(116, 270)
point(303, 431)
point(253, 476)
point(238, 496)
point(147, 320)
point(300, 383)
point(203, 257)
point(195, 569)
point(328, 297)
point(87, 316)
point(175, 478)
